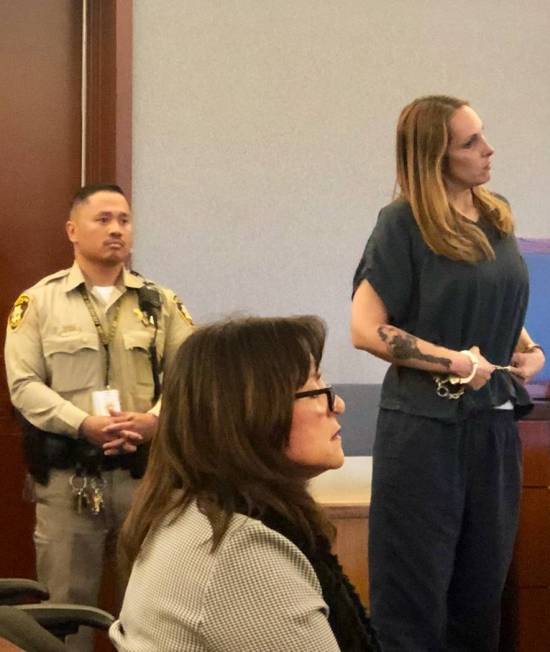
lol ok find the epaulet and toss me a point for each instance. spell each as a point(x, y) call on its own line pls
point(62, 273)
point(148, 282)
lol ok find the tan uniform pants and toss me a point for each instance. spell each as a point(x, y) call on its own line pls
point(71, 547)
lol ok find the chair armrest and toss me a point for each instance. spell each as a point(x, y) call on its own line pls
point(23, 631)
point(64, 619)
point(17, 589)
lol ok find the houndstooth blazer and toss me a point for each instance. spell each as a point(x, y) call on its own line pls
point(256, 593)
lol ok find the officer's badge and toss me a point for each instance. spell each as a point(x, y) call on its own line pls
point(18, 311)
point(182, 310)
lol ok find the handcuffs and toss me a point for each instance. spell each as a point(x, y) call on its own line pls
point(446, 384)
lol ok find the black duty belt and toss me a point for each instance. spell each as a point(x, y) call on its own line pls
point(47, 450)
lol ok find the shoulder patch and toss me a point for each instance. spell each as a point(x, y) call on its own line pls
point(18, 311)
point(182, 310)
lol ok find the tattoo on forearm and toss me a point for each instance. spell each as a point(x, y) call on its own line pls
point(403, 346)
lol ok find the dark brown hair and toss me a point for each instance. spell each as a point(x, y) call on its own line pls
point(225, 421)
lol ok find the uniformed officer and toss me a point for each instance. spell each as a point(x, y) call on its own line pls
point(85, 351)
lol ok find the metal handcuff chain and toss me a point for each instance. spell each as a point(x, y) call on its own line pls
point(443, 389)
point(445, 383)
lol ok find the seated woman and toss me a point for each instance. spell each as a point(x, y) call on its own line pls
point(229, 550)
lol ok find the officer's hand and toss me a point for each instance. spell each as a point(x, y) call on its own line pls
point(126, 443)
point(129, 429)
point(143, 423)
point(93, 429)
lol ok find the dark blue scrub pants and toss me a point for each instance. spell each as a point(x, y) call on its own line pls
point(443, 519)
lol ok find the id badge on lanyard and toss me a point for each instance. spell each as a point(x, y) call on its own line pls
point(105, 400)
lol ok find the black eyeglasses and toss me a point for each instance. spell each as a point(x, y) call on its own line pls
point(329, 391)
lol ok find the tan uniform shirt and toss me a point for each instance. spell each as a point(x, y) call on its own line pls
point(55, 360)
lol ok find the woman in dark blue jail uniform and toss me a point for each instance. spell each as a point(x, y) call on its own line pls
point(441, 293)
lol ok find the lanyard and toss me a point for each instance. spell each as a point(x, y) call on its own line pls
point(104, 338)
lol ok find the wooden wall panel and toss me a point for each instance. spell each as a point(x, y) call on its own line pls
point(39, 172)
point(531, 563)
point(351, 545)
point(526, 600)
point(109, 93)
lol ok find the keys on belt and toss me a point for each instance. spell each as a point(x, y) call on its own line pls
point(88, 492)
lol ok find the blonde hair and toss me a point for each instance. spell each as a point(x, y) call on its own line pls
point(421, 146)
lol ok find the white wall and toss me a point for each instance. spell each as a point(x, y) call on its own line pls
point(264, 136)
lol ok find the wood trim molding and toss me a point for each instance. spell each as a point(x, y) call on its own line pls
point(346, 510)
point(109, 93)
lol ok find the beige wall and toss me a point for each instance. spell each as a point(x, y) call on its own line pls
point(263, 138)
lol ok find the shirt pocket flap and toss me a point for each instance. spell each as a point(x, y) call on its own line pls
point(137, 340)
point(69, 343)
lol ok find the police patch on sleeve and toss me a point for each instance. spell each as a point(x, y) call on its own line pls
point(18, 311)
point(182, 310)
